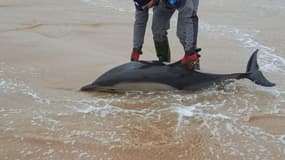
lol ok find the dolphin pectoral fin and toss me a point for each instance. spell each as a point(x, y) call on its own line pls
point(89, 87)
point(94, 87)
point(255, 74)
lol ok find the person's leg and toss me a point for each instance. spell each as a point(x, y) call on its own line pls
point(141, 18)
point(187, 26)
point(160, 25)
point(187, 32)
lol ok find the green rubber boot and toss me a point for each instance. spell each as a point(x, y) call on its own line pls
point(162, 51)
point(197, 65)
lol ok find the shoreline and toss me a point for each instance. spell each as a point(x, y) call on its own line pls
point(49, 49)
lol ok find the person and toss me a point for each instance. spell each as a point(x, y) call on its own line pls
point(187, 29)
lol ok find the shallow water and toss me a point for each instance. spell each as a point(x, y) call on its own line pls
point(48, 126)
point(240, 120)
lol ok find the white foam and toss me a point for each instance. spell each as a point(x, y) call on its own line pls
point(270, 61)
point(10, 85)
point(184, 111)
point(13, 86)
point(232, 129)
point(103, 108)
point(2, 83)
point(282, 139)
point(103, 111)
point(220, 116)
point(83, 154)
point(49, 152)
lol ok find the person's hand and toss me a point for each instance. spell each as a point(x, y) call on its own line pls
point(150, 4)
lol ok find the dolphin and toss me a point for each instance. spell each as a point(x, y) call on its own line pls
point(158, 76)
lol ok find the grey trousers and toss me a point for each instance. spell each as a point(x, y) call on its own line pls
point(187, 24)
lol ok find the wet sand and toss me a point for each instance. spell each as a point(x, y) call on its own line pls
point(49, 49)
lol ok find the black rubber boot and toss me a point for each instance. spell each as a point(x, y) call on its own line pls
point(162, 51)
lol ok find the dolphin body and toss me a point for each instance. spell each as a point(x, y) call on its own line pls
point(157, 76)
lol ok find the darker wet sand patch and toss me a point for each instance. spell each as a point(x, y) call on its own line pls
point(31, 145)
point(274, 124)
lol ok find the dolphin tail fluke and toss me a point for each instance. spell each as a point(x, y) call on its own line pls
point(254, 74)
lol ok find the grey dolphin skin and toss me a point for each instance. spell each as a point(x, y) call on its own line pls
point(157, 76)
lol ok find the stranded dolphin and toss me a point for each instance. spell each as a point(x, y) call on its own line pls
point(154, 75)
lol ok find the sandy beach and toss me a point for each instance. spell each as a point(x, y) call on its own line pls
point(49, 49)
